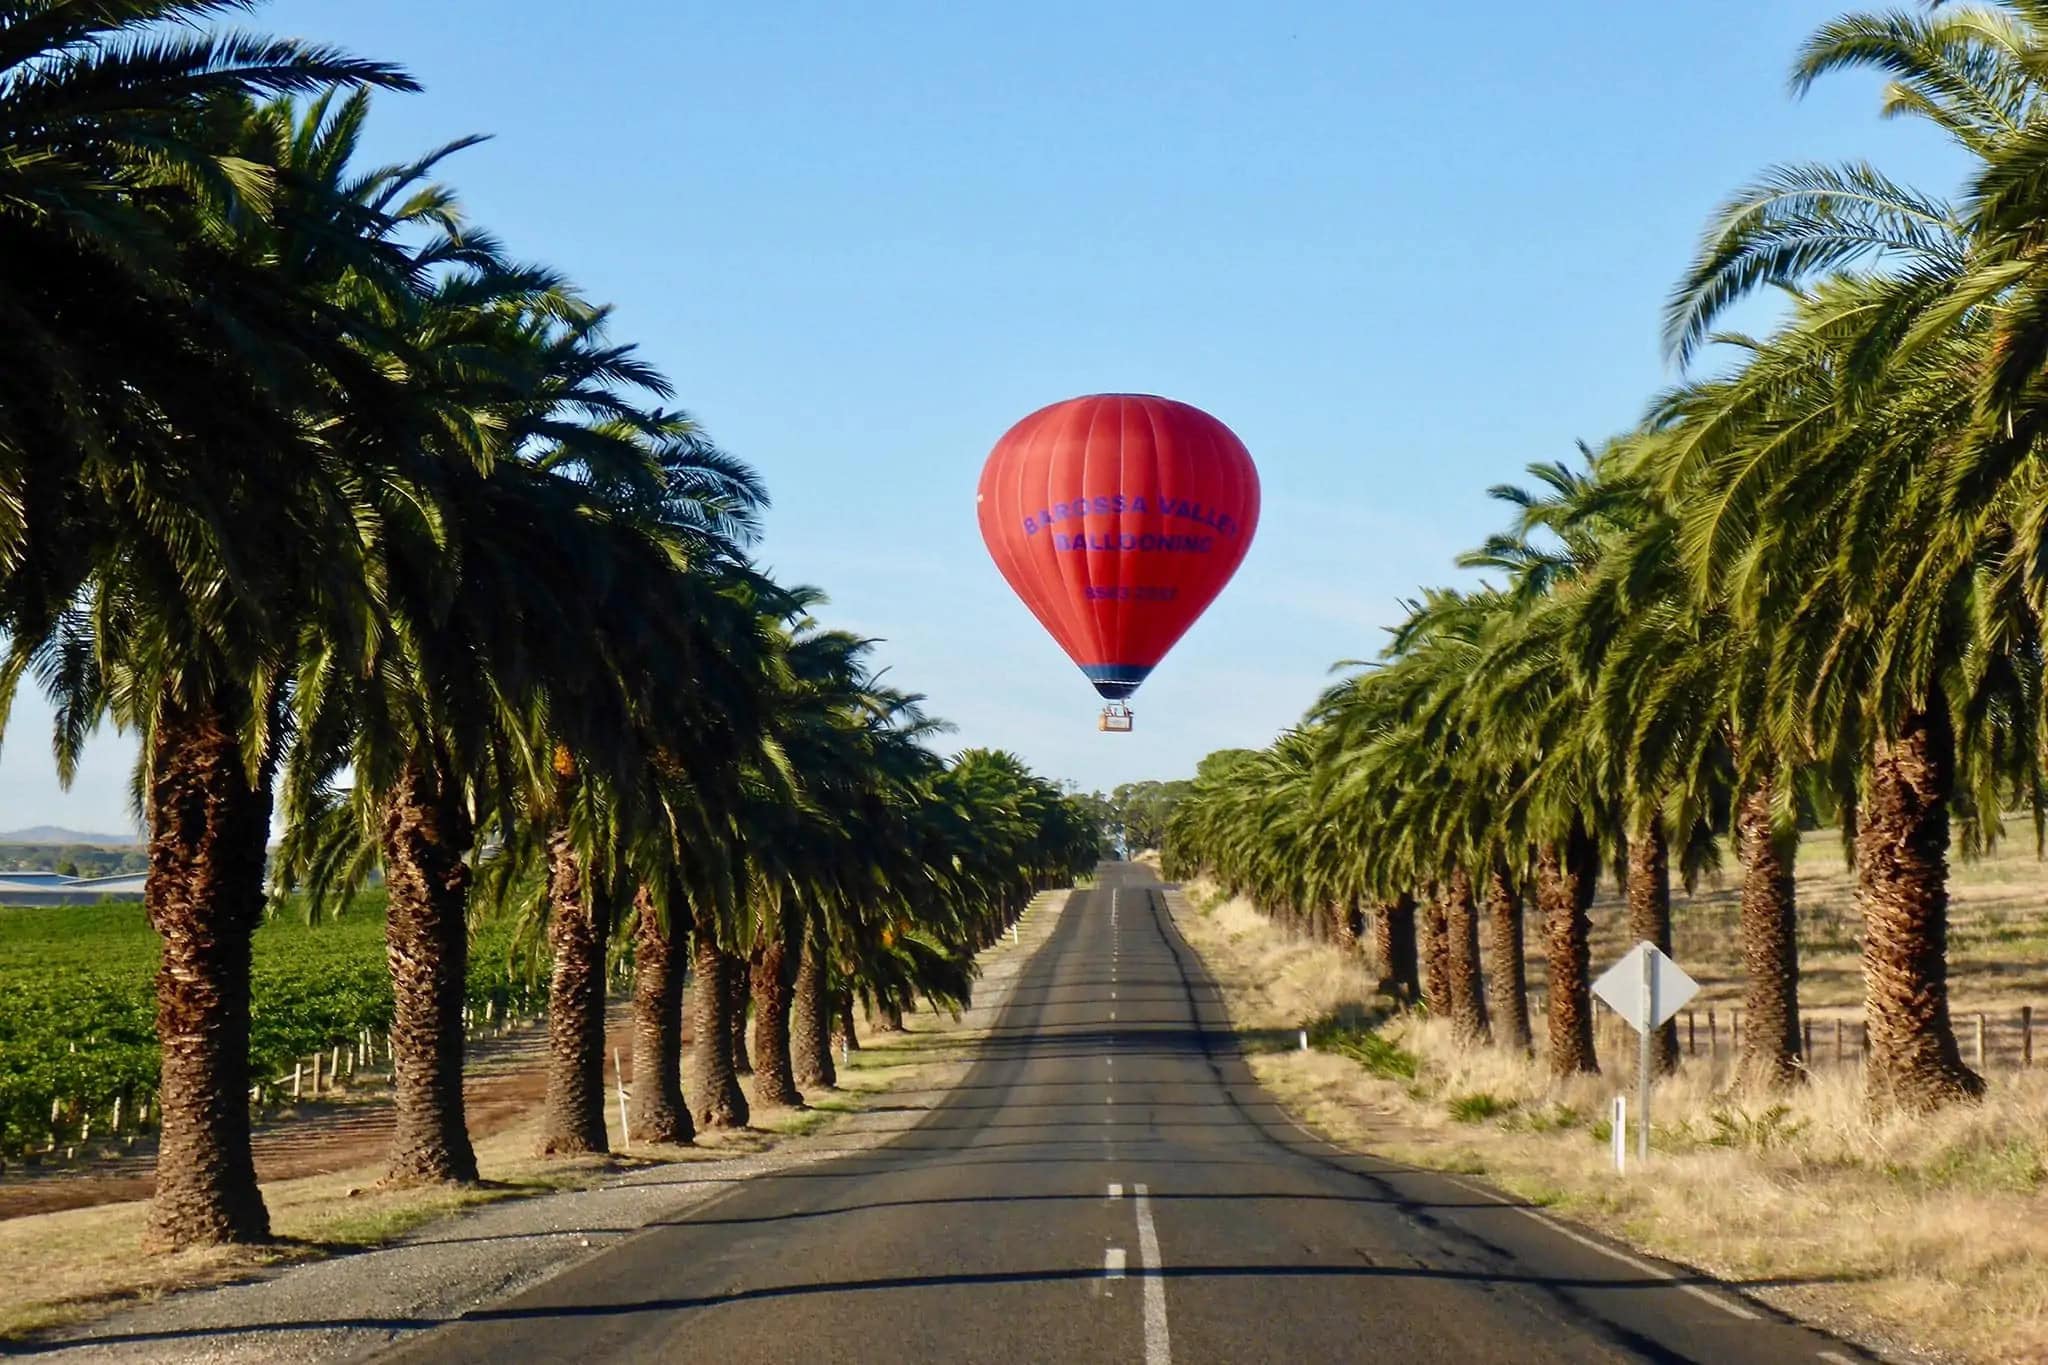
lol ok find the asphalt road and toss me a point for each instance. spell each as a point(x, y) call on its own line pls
point(1110, 1184)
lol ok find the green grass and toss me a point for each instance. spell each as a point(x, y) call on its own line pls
point(386, 1221)
point(77, 1002)
point(1549, 1118)
point(1479, 1108)
point(1368, 1048)
point(2014, 1166)
point(802, 1122)
point(1758, 1132)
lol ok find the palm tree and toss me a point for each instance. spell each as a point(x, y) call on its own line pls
point(1394, 946)
point(657, 1112)
point(1912, 383)
point(1509, 984)
point(717, 1101)
point(810, 1029)
point(1467, 998)
point(177, 527)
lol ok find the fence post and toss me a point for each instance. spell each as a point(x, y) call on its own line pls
point(1806, 1041)
point(297, 1069)
point(2026, 1035)
point(1980, 1040)
point(1840, 1054)
point(1864, 1051)
point(1692, 1042)
point(1713, 1038)
point(1734, 1032)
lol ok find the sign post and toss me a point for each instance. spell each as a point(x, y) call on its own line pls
point(1643, 1053)
point(1646, 988)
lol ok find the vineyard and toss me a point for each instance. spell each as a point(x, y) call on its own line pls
point(78, 1048)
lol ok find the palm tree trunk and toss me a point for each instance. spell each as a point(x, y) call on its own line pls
point(207, 827)
point(738, 994)
point(1462, 975)
point(1436, 946)
point(1649, 921)
point(811, 1026)
point(579, 930)
point(1770, 946)
point(1349, 922)
point(1902, 885)
point(1509, 983)
point(656, 1112)
point(848, 1039)
point(889, 1019)
point(426, 836)
point(1564, 888)
point(719, 1103)
point(774, 1078)
point(1393, 936)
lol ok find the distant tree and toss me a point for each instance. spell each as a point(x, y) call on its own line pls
point(1136, 810)
point(69, 869)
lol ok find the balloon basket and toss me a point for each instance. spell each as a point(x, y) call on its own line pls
point(1115, 716)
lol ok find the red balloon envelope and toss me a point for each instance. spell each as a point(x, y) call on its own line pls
point(1118, 518)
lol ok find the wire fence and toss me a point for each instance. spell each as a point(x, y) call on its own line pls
point(1990, 1040)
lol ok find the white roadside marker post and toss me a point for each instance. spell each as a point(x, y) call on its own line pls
point(1620, 1134)
point(619, 1074)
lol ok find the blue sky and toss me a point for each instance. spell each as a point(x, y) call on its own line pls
point(1402, 250)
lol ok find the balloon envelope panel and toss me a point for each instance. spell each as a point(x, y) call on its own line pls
point(1118, 518)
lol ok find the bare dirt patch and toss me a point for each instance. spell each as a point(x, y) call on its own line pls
point(504, 1082)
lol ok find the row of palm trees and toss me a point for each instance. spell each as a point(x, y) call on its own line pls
point(355, 518)
point(1809, 588)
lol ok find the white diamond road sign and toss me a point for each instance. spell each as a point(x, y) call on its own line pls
point(1632, 988)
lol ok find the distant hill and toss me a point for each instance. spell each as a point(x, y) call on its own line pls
point(53, 834)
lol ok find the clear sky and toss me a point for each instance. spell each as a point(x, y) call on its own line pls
point(1403, 250)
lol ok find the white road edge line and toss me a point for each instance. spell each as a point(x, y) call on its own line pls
point(1116, 1189)
point(1113, 1263)
point(1719, 1301)
point(1158, 1349)
point(1836, 1357)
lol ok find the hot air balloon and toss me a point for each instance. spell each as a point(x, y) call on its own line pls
point(1118, 518)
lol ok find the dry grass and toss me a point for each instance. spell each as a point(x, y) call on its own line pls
point(64, 1267)
point(1930, 1232)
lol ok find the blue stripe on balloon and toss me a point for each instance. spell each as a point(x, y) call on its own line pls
point(1116, 681)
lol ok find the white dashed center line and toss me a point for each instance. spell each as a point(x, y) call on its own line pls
point(1158, 1350)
